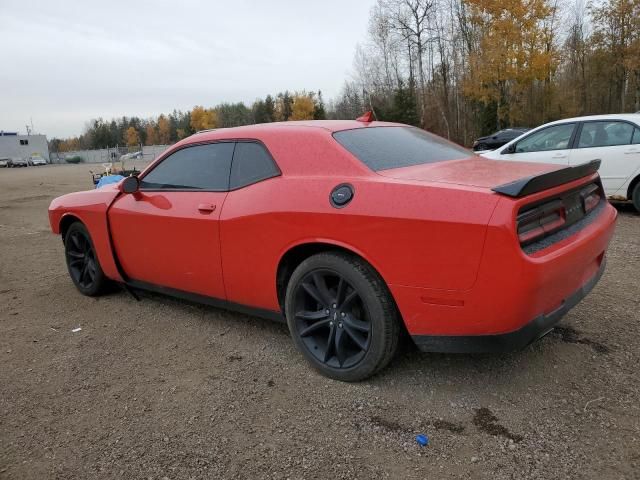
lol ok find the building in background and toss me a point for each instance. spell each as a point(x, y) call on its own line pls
point(13, 145)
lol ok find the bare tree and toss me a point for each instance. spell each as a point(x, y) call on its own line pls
point(411, 19)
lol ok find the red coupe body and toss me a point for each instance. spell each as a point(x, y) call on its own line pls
point(463, 273)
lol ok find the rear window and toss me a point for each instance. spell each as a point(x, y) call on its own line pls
point(382, 148)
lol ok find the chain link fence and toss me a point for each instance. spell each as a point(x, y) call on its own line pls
point(111, 154)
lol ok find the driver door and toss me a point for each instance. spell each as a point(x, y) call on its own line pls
point(168, 234)
point(548, 145)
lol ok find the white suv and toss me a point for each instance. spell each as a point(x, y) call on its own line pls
point(614, 139)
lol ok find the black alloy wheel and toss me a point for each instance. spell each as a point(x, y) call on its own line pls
point(341, 316)
point(331, 319)
point(82, 262)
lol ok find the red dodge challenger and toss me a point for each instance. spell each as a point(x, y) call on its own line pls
point(350, 231)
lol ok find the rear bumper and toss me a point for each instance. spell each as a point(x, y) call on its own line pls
point(516, 340)
point(512, 287)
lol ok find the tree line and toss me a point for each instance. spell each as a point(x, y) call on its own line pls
point(465, 68)
point(167, 129)
point(459, 68)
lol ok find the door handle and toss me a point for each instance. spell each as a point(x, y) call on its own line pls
point(206, 207)
point(560, 155)
point(631, 152)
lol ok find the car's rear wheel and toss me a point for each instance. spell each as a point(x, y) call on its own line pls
point(82, 261)
point(635, 197)
point(341, 316)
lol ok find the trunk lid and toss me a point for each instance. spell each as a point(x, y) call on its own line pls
point(473, 172)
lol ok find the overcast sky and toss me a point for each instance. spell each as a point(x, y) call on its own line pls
point(65, 62)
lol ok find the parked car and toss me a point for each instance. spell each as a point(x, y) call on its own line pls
point(36, 160)
point(614, 139)
point(5, 162)
point(19, 162)
point(497, 139)
point(350, 231)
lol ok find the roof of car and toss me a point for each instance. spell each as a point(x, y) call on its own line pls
point(634, 117)
point(310, 134)
point(330, 125)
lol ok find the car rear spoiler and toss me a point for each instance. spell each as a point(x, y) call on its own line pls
point(536, 183)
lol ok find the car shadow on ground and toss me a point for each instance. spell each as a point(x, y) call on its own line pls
point(409, 366)
point(626, 208)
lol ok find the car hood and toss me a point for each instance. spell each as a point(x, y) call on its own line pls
point(102, 196)
point(472, 172)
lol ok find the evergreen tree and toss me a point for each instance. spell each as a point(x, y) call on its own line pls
point(233, 114)
point(287, 105)
point(319, 112)
point(269, 108)
point(405, 108)
point(259, 110)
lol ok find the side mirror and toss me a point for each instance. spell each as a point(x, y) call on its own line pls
point(510, 149)
point(130, 185)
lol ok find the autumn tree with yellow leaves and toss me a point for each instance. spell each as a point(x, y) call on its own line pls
point(131, 137)
point(515, 54)
point(203, 118)
point(164, 130)
point(303, 107)
point(151, 134)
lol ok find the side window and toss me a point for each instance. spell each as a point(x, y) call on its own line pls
point(636, 136)
point(556, 137)
point(605, 134)
point(251, 163)
point(201, 167)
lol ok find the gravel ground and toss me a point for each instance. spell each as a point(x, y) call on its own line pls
point(166, 389)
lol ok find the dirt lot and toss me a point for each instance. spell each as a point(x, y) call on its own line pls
point(166, 389)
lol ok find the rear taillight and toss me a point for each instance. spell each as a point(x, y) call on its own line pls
point(590, 197)
point(540, 221)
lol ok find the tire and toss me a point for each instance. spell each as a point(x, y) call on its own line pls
point(82, 262)
point(481, 146)
point(635, 197)
point(341, 316)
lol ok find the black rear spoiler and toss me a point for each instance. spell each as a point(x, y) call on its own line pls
point(536, 183)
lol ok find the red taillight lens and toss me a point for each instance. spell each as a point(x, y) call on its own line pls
point(540, 221)
point(590, 198)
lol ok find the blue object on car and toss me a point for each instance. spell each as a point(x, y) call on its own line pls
point(107, 179)
point(422, 440)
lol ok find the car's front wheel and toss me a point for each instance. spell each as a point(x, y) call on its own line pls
point(341, 316)
point(82, 261)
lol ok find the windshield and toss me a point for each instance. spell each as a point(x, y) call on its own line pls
point(382, 148)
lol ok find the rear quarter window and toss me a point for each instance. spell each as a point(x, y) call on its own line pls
point(251, 163)
point(383, 148)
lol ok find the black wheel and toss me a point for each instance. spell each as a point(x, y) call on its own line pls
point(635, 197)
point(481, 146)
point(82, 262)
point(341, 316)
